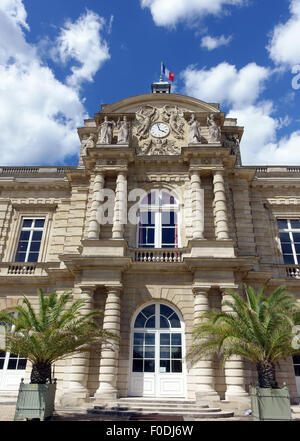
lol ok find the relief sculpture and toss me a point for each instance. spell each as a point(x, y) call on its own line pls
point(174, 116)
point(145, 116)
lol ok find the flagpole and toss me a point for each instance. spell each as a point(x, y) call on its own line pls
point(161, 71)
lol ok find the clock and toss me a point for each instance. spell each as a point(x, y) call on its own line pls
point(159, 130)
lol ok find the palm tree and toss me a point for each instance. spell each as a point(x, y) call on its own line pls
point(258, 328)
point(59, 329)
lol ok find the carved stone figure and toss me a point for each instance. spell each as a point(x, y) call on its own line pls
point(233, 142)
point(174, 116)
point(105, 131)
point(88, 143)
point(123, 131)
point(145, 115)
point(194, 130)
point(214, 129)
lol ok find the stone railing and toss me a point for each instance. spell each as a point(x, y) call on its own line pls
point(30, 269)
point(276, 169)
point(21, 269)
point(292, 271)
point(157, 255)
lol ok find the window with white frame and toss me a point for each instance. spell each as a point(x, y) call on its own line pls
point(289, 233)
point(30, 239)
point(158, 223)
point(9, 361)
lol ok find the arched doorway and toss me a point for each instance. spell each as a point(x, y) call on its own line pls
point(157, 353)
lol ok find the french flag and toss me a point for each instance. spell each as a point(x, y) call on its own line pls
point(167, 73)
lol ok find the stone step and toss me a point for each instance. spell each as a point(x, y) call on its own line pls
point(156, 409)
point(156, 400)
point(195, 414)
point(152, 405)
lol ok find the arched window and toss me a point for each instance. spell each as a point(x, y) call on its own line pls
point(158, 224)
point(157, 340)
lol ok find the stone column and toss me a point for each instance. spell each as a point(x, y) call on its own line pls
point(120, 208)
point(234, 369)
point(220, 207)
point(77, 392)
point(94, 225)
point(204, 370)
point(197, 205)
point(110, 351)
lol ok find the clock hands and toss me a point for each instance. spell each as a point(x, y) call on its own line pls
point(163, 131)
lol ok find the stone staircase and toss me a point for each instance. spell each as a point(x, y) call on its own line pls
point(133, 407)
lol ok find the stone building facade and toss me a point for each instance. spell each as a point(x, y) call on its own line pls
point(227, 224)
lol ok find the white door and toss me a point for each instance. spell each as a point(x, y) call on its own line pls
point(157, 353)
point(12, 369)
point(296, 361)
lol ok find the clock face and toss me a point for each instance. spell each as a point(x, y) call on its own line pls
point(159, 130)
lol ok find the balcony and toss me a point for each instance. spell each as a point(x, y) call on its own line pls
point(19, 269)
point(157, 255)
point(292, 271)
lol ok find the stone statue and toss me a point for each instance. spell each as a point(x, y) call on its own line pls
point(214, 129)
point(194, 130)
point(105, 131)
point(123, 131)
point(233, 142)
point(145, 116)
point(174, 116)
point(89, 142)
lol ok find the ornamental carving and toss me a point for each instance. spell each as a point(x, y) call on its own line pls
point(159, 147)
point(159, 131)
point(145, 116)
point(174, 116)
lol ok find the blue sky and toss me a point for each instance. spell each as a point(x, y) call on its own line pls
point(59, 61)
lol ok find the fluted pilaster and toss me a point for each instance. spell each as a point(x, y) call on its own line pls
point(110, 351)
point(197, 205)
point(234, 368)
point(220, 206)
point(94, 225)
point(120, 208)
point(77, 391)
point(204, 371)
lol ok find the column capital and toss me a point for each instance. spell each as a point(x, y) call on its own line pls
point(201, 290)
point(88, 289)
point(114, 288)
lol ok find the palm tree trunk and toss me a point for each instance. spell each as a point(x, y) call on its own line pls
point(266, 374)
point(40, 373)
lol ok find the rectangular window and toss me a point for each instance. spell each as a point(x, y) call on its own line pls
point(30, 240)
point(289, 234)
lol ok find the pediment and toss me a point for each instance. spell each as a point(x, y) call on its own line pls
point(132, 104)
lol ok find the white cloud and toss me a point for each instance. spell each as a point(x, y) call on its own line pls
point(12, 23)
point(284, 152)
point(241, 91)
point(170, 12)
point(284, 45)
point(225, 84)
point(14, 9)
point(82, 41)
point(38, 114)
point(211, 43)
point(259, 130)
